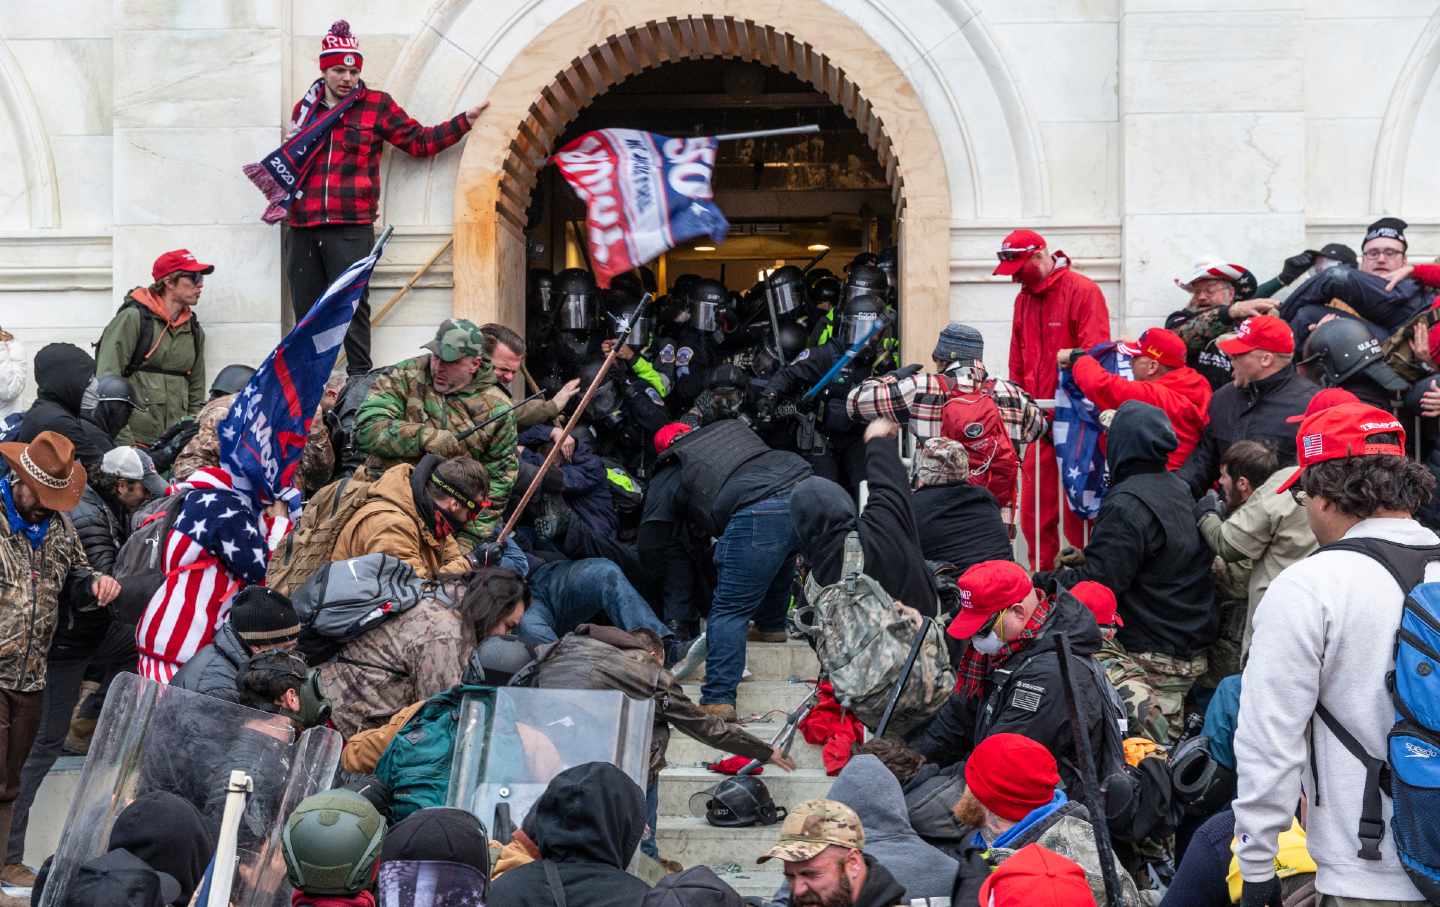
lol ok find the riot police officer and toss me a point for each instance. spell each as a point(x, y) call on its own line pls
point(698, 338)
point(1344, 353)
point(575, 340)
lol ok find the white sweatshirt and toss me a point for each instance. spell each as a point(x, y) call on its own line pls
point(1325, 631)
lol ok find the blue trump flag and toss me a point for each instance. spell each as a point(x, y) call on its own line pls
point(1077, 432)
point(263, 435)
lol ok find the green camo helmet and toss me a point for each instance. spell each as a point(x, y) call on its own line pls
point(332, 843)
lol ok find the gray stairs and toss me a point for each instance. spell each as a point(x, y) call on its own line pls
point(781, 678)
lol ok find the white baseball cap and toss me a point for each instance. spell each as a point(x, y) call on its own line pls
point(134, 464)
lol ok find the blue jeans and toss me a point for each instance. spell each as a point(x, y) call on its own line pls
point(566, 594)
point(754, 563)
point(652, 810)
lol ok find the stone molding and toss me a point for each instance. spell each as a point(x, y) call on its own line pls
point(1407, 96)
point(18, 100)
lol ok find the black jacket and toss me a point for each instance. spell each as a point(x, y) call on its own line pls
point(881, 888)
point(1025, 696)
point(587, 824)
point(831, 417)
point(960, 524)
point(61, 372)
point(102, 529)
point(1145, 545)
point(214, 669)
point(1255, 412)
point(824, 513)
point(1384, 312)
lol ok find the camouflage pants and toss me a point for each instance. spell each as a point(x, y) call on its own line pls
point(1143, 713)
point(1171, 678)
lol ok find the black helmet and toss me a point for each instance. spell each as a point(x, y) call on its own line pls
point(332, 842)
point(605, 405)
point(862, 260)
point(858, 317)
point(1202, 784)
point(231, 380)
point(541, 290)
point(792, 341)
point(826, 292)
point(681, 287)
point(815, 274)
point(575, 295)
point(1339, 349)
point(109, 400)
point(496, 660)
point(787, 291)
point(740, 802)
point(619, 306)
point(707, 299)
point(888, 261)
point(866, 280)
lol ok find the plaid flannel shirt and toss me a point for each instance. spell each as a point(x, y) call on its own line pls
point(344, 185)
point(917, 401)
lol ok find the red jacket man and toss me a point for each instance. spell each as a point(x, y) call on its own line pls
point(1162, 379)
point(1056, 309)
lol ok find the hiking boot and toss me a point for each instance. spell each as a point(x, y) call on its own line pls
point(722, 710)
point(758, 635)
point(17, 875)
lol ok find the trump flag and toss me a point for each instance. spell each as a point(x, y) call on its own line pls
point(264, 433)
point(644, 194)
point(1076, 432)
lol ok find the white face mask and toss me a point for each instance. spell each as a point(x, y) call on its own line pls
point(989, 644)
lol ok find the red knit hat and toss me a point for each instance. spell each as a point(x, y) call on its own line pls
point(1010, 775)
point(1100, 600)
point(340, 48)
point(985, 588)
point(667, 435)
point(1036, 876)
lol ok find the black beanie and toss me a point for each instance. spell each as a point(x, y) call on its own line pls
point(1389, 228)
point(263, 618)
point(697, 886)
point(439, 834)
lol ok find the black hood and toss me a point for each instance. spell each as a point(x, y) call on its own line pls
point(1071, 619)
point(823, 514)
point(1140, 440)
point(697, 886)
point(592, 813)
point(168, 833)
point(62, 371)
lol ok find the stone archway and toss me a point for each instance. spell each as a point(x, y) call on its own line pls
point(598, 45)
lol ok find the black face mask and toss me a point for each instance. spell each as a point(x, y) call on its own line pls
point(726, 403)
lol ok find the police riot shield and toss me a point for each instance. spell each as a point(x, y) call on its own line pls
point(511, 741)
point(152, 737)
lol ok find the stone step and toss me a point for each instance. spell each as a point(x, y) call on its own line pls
point(692, 841)
point(757, 881)
point(677, 784)
point(687, 751)
point(774, 661)
point(755, 697)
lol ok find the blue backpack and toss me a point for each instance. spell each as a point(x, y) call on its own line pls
point(1410, 773)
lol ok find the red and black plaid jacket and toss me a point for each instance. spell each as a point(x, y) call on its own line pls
point(344, 185)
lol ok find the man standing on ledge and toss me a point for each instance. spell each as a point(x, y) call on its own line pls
point(332, 216)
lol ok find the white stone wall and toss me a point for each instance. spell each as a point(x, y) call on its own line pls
point(1136, 134)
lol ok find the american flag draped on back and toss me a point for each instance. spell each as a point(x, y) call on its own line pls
point(264, 434)
point(645, 194)
point(1077, 435)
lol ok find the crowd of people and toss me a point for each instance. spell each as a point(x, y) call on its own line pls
point(1146, 706)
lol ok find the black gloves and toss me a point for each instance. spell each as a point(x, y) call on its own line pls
point(765, 407)
point(1209, 502)
point(807, 404)
point(487, 554)
point(1296, 265)
point(1262, 894)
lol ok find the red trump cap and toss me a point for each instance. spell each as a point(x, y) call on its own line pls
point(988, 587)
point(1260, 332)
point(1016, 249)
point(1344, 431)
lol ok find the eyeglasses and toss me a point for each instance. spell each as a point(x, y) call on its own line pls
point(1377, 254)
point(1016, 254)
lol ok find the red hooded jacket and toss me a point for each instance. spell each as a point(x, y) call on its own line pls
point(1066, 310)
point(1183, 394)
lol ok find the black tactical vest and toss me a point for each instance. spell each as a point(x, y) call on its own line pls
point(708, 457)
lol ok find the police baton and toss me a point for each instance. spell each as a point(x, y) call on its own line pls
point(500, 415)
point(875, 329)
point(1090, 787)
point(573, 421)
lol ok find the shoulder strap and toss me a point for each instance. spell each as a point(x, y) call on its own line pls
point(552, 878)
point(142, 340)
point(854, 562)
point(1406, 563)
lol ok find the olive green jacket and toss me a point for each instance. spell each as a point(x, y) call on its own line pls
point(171, 384)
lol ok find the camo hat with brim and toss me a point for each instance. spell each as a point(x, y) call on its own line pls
point(940, 461)
point(456, 339)
point(813, 826)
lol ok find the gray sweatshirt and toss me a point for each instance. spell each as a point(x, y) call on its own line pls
point(1324, 632)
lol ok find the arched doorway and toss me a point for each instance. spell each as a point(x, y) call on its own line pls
point(589, 50)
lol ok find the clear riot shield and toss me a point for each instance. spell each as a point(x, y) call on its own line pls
point(513, 740)
point(155, 737)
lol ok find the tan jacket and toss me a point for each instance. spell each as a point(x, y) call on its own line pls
point(1269, 529)
point(363, 751)
point(390, 523)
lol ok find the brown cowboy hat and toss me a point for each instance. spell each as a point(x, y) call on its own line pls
point(47, 467)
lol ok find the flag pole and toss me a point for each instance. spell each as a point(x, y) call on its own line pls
point(812, 129)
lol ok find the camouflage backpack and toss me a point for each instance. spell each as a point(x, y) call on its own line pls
point(862, 643)
point(307, 548)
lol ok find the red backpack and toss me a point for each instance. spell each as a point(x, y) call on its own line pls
point(973, 419)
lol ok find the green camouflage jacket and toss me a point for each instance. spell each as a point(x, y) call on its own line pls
point(31, 583)
point(399, 420)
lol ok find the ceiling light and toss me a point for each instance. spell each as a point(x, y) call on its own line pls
point(817, 247)
point(704, 248)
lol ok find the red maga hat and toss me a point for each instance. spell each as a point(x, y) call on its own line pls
point(178, 260)
point(1330, 396)
point(1101, 602)
point(1260, 332)
point(1344, 431)
point(1016, 249)
point(986, 588)
point(1160, 344)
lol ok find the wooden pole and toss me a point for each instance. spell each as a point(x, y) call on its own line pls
point(390, 303)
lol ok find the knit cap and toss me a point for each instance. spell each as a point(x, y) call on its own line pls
point(1010, 775)
point(263, 618)
point(439, 834)
point(940, 461)
point(959, 342)
point(340, 48)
